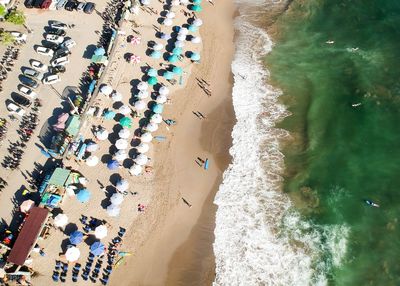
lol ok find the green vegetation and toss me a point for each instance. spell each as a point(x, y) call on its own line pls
point(3, 10)
point(16, 17)
point(6, 38)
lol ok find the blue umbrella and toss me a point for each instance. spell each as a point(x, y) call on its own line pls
point(177, 70)
point(113, 165)
point(173, 58)
point(152, 72)
point(168, 75)
point(196, 2)
point(195, 57)
point(97, 248)
point(109, 114)
point(99, 51)
point(83, 196)
point(76, 237)
point(177, 51)
point(165, 36)
point(155, 54)
point(158, 108)
point(193, 28)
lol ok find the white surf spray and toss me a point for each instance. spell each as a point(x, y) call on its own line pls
point(259, 238)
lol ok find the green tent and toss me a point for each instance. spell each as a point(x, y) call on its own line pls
point(196, 8)
point(152, 80)
point(72, 125)
point(125, 122)
point(59, 177)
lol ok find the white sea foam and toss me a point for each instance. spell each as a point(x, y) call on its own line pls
point(259, 238)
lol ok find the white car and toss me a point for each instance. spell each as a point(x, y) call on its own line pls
point(69, 44)
point(52, 79)
point(44, 51)
point(58, 25)
point(54, 38)
point(27, 91)
point(62, 61)
point(18, 36)
point(38, 65)
point(13, 108)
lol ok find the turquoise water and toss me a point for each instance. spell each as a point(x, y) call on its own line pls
point(342, 154)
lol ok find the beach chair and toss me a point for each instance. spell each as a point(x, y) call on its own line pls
point(76, 268)
point(63, 276)
point(93, 279)
point(58, 265)
point(91, 257)
point(56, 276)
point(104, 281)
point(86, 228)
point(65, 267)
point(121, 232)
point(83, 219)
point(85, 275)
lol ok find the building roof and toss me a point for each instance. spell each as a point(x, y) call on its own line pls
point(28, 235)
point(73, 124)
point(59, 177)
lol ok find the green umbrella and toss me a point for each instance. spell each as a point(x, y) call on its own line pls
point(196, 2)
point(177, 51)
point(173, 58)
point(125, 122)
point(196, 8)
point(177, 70)
point(168, 75)
point(152, 72)
point(152, 80)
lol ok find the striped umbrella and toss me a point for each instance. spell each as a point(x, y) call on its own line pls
point(135, 59)
point(135, 40)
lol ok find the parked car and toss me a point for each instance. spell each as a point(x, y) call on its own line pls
point(62, 52)
point(60, 4)
point(68, 44)
point(37, 3)
point(52, 79)
point(71, 5)
point(18, 36)
point(21, 100)
point(57, 69)
point(57, 32)
point(54, 38)
point(38, 65)
point(27, 91)
point(61, 61)
point(33, 73)
point(13, 108)
point(44, 51)
point(50, 45)
point(29, 81)
point(46, 4)
point(89, 7)
point(29, 3)
point(58, 25)
point(80, 6)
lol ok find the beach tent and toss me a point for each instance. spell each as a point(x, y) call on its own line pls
point(99, 59)
point(91, 147)
point(124, 133)
point(177, 51)
point(168, 75)
point(72, 254)
point(99, 51)
point(143, 148)
point(106, 89)
point(193, 28)
point(146, 137)
point(173, 58)
point(125, 121)
point(92, 161)
point(109, 114)
point(102, 134)
point(116, 96)
point(161, 99)
point(121, 155)
point(197, 22)
point(163, 90)
point(158, 108)
point(136, 170)
point(72, 125)
point(124, 110)
point(76, 237)
point(196, 40)
point(26, 206)
point(181, 37)
point(195, 57)
point(167, 22)
point(122, 185)
point(156, 118)
point(60, 220)
point(177, 70)
point(179, 44)
point(142, 86)
point(97, 248)
point(196, 8)
point(101, 231)
point(152, 80)
point(141, 159)
point(117, 199)
point(121, 144)
point(113, 210)
point(83, 196)
point(155, 55)
point(140, 105)
point(151, 127)
point(143, 94)
point(152, 72)
point(113, 165)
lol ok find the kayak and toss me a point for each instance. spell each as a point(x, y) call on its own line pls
point(371, 203)
point(206, 163)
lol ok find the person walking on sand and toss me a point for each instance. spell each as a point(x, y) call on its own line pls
point(186, 202)
point(201, 114)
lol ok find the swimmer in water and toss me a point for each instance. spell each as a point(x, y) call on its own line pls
point(330, 42)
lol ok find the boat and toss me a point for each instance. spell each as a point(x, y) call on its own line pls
point(371, 203)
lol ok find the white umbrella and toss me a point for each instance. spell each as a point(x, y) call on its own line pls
point(124, 133)
point(164, 90)
point(106, 89)
point(72, 254)
point(196, 40)
point(167, 22)
point(184, 2)
point(170, 15)
point(124, 109)
point(156, 118)
point(141, 159)
point(197, 22)
point(179, 44)
point(183, 31)
point(92, 161)
point(146, 137)
point(121, 144)
point(117, 199)
point(61, 220)
point(113, 210)
point(161, 99)
point(140, 105)
point(143, 94)
point(181, 37)
point(143, 148)
point(100, 231)
point(91, 147)
point(151, 127)
point(143, 86)
point(122, 185)
point(158, 47)
point(175, 3)
point(102, 134)
point(116, 96)
point(145, 2)
point(26, 206)
point(121, 155)
point(136, 170)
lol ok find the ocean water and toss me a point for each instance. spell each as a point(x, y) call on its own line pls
point(317, 133)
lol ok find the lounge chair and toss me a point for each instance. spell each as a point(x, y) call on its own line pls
point(58, 265)
point(104, 281)
point(85, 275)
point(56, 276)
point(121, 232)
point(65, 267)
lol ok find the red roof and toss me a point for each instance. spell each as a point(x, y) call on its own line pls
point(28, 235)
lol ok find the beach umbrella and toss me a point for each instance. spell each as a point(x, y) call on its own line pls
point(165, 36)
point(141, 159)
point(195, 57)
point(101, 231)
point(135, 40)
point(197, 22)
point(156, 118)
point(145, 2)
point(196, 8)
point(124, 109)
point(140, 105)
point(122, 185)
point(100, 51)
point(143, 148)
point(121, 144)
point(97, 248)
point(181, 37)
point(136, 170)
point(116, 96)
point(143, 94)
point(177, 51)
point(175, 3)
point(146, 137)
point(125, 122)
point(113, 165)
point(106, 89)
point(179, 44)
point(109, 114)
point(135, 59)
point(158, 47)
point(183, 31)
point(155, 55)
point(196, 40)
point(152, 72)
point(124, 133)
point(163, 90)
point(91, 147)
point(113, 210)
point(61, 220)
point(168, 75)
point(102, 134)
point(76, 237)
point(184, 2)
point(173, 58)
point(158, 108)
point(151, 127)
point(72, 254)
point(193, 28)
point(177, 70)
point(170, 15)
point(92, 161)
point(161, 99)
point(121, 155)
point(196, 2)
point(152, 80)
point(63, 117)
point(83, 196)
point(117, 199)
point(142, 86)
point(167, 22)
point(26, 206)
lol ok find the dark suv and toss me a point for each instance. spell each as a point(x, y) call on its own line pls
point(89, 7)
point(21, 100)
point(57, 32)
point(57, 69)
point(28, 81)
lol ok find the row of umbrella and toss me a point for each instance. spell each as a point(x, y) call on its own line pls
point(73, 253)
